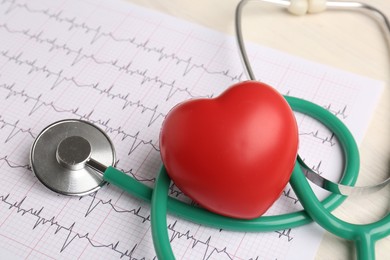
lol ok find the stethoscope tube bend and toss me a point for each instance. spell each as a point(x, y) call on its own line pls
point(269, 223)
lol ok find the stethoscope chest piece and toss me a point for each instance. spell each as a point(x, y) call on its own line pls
point(60, 152)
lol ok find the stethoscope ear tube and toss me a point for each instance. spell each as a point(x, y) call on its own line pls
point(314, 177)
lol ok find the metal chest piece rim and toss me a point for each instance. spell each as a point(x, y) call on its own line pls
point(61, 151)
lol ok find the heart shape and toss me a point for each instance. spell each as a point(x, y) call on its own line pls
point(233, 154)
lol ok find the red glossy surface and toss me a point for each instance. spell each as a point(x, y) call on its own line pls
point(233, 154)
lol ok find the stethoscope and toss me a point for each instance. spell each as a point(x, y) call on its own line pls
point(74, 157)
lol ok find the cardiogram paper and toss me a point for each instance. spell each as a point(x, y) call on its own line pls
point(122, 68)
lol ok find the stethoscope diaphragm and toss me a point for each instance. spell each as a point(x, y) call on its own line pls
point(60, 152)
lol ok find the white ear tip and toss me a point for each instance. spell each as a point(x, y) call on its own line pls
point(298, 7)
point(317, 6)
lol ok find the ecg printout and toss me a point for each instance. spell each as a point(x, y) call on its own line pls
point(122, 68)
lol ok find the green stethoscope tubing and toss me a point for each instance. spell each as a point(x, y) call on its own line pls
point(364, 235)
point(266, 223)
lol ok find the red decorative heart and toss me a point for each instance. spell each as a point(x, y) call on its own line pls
point(232, 154)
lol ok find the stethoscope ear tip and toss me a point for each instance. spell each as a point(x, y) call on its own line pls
point(302, 7)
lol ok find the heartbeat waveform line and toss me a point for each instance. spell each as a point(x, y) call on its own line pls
point(15, 129)
point(122, 97)
point(71, 235)
point(316, 168)
point(207, 253)
point(137, 142)
point(174, 191)
point(195, 242)
point(288, 194)
point(13, 165)
point(285, 233)
point(39, 39)
point(155, 115)
point(59, 79)
point(94, 204)
point(133, 175)
point(325, 140)
point(38, 103)
point(97, 34)
point(337, 112)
